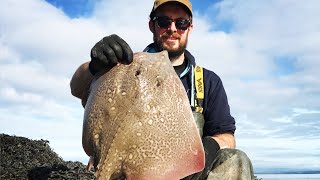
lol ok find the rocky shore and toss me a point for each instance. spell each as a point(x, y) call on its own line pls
point(22, 158)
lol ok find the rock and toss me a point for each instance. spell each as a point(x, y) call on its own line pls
point(23, 158)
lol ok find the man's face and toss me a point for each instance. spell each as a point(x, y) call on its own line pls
point(170, 38)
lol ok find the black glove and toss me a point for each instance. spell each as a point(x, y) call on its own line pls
point(211, 147)
point(108, 52)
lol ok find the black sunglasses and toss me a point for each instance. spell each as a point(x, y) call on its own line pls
point(165, 22)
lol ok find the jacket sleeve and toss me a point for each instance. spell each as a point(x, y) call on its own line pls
point(80, 82)
point(216, 108)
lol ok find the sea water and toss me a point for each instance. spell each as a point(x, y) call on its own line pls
point(288, 176)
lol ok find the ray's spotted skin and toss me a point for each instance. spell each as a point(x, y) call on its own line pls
point(138, 123)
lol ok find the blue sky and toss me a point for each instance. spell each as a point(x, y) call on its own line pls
point(266, 53)
point(78, 8)
point(74, 8)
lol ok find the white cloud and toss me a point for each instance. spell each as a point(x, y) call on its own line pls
point(264, 103)
point(300, 111)
point(282, 152)
point(284, 119)
point(41, 47)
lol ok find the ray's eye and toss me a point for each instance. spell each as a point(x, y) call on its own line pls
point(138, 72)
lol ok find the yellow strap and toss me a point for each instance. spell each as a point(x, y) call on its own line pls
point(198, 71)
point(199, 109)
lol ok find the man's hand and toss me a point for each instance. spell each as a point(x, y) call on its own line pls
point(108, 52)
point(225, 140)
point(211, 146)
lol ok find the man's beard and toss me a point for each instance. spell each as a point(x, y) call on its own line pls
point(172, 52)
